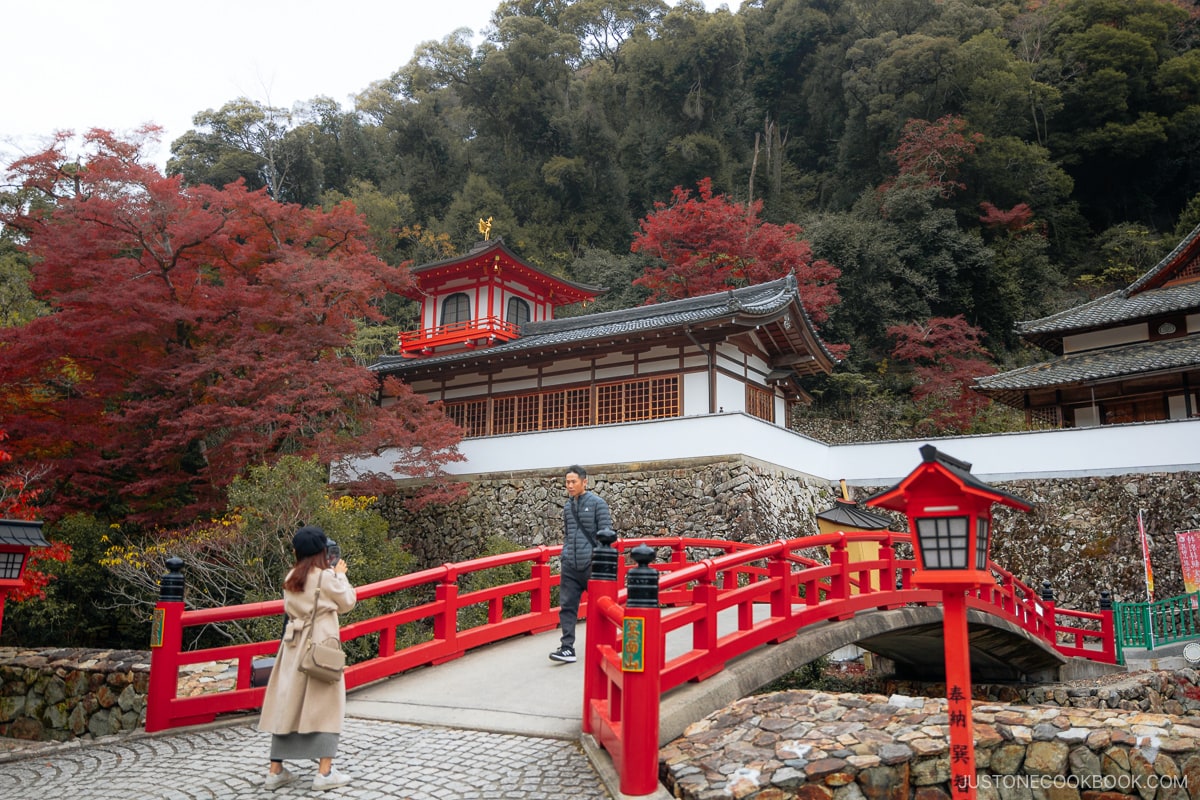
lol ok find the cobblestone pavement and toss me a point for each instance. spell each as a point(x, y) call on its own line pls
point(386, 760)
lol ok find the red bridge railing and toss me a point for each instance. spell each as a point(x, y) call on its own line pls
point(625, 659)
point(627, 670)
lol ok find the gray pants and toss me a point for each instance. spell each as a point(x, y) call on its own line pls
point(570, 590)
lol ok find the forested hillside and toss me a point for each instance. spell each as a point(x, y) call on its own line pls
point(1056, 141)
point(934, 171)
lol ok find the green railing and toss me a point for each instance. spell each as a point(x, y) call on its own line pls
point(1150, 625)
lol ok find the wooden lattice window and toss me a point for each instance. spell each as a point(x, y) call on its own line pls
point(621, 401)
point(504, 415)
point(471, 416)
point(577, 407)
point(527, 412)
point(628, 401)
point(1043, 417)
point(664, 398)
point(1189, 271)
point(569, 408)
point(760, 403)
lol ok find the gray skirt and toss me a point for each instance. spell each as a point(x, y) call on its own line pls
point(295, 746)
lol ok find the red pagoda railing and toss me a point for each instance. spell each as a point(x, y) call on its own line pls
point(469, 332)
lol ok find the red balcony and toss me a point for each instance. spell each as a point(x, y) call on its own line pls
point(471, 333)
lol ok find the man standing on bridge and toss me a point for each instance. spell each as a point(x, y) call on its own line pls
point(584, 515)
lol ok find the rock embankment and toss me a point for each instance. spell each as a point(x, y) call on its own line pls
point(821, 746)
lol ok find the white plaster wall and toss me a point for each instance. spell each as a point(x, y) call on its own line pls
point(1106, 338)
point(695, 394)
point(731, 394)
point(1168, 446)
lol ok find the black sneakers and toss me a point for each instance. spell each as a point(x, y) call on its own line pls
point(564, 655)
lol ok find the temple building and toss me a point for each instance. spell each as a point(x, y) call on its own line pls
point(1130, 356)
point(490, 349)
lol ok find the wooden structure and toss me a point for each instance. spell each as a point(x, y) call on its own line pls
point(491, 350)
point(1130, 356)
point(483, 298)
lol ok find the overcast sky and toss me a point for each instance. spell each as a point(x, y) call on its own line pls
point(116, 64)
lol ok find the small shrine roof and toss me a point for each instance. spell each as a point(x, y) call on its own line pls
point(848, 513)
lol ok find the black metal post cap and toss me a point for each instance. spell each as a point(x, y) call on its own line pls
point(170, 586)
point(642, 580)
point(1047, 592)
point(605, 557)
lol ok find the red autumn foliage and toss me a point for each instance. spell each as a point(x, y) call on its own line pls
point(932, 152)
point(16, 500)
point(1015, 220)
point(194, 331)
point(946, 357)
point(710, 244)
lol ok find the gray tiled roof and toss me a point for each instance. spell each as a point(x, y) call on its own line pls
point(761, 300)
point(1094, 365)
point(1117, 307)
point(1135, 301)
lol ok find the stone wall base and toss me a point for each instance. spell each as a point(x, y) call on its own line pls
point(61, 694)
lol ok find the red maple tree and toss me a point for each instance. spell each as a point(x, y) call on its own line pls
point(946, 357)
point(710, 243)
point(194, 331)
point(931, 153)
point(16, 502)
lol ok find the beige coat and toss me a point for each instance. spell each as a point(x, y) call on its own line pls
point(295, 703)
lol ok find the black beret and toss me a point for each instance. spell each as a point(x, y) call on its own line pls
point(309, 541)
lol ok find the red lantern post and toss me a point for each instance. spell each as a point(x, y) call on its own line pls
point(17, 538)
point(949, 516)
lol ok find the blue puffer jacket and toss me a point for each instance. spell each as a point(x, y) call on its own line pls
point(594, 516)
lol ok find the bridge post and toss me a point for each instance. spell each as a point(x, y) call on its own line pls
point(839, 582)
point(1111, 646)
point(598, 632)
point(166, 641)
point(1049, 619)
point(641, 662)
point(445, 623)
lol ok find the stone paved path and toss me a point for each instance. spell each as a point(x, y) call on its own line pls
point(386, 759)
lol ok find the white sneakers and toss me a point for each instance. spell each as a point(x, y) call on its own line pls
point(323, 783)
point(276, 779)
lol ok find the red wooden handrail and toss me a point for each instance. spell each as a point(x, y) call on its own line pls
point(167, 710)
point(798, 592)
point(698, 579)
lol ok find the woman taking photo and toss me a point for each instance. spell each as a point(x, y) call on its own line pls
point(303, 714)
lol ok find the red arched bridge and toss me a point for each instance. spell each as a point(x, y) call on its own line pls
point(790, 591)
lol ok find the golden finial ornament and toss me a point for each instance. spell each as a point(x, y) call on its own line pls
point(485, 227)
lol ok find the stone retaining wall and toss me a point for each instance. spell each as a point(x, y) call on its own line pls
point(813, 745)
point(736, 499)
point(61, 694)
point(1164, 692)
point(1081, 534)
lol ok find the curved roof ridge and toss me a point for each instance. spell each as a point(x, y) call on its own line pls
point(1167, 262)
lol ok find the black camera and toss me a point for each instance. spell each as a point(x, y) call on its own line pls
point(333, 552)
